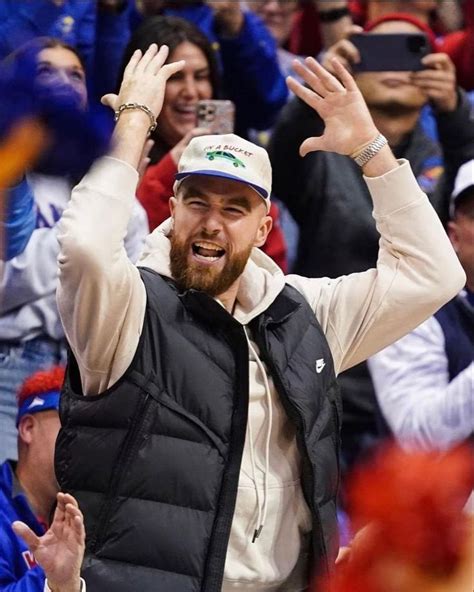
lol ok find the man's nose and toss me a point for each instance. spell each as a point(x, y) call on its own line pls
point(212, 223)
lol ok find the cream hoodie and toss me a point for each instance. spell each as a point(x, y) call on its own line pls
point(101, 299)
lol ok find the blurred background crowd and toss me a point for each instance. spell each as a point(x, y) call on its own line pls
point(59, 58)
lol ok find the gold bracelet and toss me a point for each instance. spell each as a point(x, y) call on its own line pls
point(144, 108)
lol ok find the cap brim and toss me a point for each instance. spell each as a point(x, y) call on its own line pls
point(210, 173)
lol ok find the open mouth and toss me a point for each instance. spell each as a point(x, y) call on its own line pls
point(208, 252)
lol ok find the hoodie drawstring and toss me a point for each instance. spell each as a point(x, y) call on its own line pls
point(262, 508)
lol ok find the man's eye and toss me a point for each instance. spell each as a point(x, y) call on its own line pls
point(234, 211)
point(77, 76)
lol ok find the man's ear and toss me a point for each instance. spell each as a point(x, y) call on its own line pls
point(26, 428)
point(172, 203)
point(263, 231)
point(453, 235)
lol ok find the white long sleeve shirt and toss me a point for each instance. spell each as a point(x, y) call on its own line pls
point(423, 408)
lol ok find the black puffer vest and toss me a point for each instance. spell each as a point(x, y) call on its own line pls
point(154, 461)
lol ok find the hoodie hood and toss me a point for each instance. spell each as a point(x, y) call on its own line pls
point(261, 282)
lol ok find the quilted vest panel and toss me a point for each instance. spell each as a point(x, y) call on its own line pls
point(154, 461)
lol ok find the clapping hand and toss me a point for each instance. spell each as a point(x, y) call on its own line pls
point(338, 101)
point(61, 549)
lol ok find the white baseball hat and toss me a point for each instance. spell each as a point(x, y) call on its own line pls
point(464, 180)
point(230, 157)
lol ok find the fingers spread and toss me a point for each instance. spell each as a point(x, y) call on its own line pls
point(159, 59)
point(310, 145)
point(311, 79)
point(147, 58)
point(132, 64)
point(170, 69)
point(307, 95)
point(344, 76)
point(331, 83)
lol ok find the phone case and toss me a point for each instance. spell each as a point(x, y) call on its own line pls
point(390, 52)
point(217, 116)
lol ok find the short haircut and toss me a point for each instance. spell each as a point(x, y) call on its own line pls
point(464, 203)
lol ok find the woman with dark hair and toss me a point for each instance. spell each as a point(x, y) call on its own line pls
point(31, 333)
point(247, 52)
point(186, 41)
point(176, 124)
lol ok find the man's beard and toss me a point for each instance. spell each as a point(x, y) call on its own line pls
point(200, 277)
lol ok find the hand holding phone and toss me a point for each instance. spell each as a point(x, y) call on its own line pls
point(390, 52)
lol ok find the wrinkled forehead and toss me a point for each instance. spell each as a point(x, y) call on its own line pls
point(220, 189)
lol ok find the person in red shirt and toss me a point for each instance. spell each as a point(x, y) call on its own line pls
point(176, 125)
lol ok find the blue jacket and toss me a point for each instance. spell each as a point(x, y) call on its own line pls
point(100, 37)
point(18, 572)
point(251, 74)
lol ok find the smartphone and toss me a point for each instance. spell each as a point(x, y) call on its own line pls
point(216, 115)
point(390, 52)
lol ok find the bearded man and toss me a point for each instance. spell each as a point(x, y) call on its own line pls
point(200, 411)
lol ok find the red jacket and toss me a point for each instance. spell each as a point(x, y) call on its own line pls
point(156, 188)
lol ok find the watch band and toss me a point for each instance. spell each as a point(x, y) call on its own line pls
point(370, 151)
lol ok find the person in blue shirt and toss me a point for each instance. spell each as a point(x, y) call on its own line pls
point(247, 51)
point(28, 487)
point(98, 29)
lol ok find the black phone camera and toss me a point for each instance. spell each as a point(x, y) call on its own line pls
point(417, 44)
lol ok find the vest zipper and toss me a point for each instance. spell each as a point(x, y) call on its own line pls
point(125, 455)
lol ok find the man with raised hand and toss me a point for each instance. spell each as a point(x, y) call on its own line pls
point(200, 410)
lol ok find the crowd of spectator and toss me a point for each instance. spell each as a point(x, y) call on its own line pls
point(420, 390)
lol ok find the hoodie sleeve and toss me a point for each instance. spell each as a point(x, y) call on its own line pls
point(417, 272)
point(101, 298)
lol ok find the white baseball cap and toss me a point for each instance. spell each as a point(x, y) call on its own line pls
point(230, 157)
point(464, 180)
